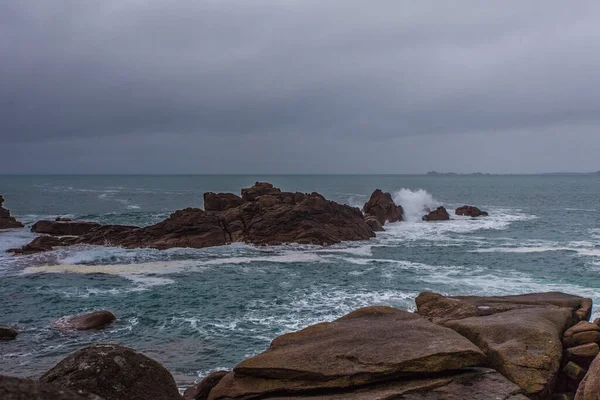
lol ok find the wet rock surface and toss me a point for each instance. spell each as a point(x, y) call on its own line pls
point(83, 322)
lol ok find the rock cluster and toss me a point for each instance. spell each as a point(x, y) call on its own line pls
point(439, 214)
point(6, 220)
point(381, 209)
point(470, 211)
point(533, 346)
point(264, 215)
point(580, 344)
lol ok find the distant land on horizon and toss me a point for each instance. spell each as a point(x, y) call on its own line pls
point(435, 173)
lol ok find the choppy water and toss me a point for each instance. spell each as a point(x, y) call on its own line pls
point(197, 310)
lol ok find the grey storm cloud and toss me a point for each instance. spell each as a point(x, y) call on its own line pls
point(257, 71)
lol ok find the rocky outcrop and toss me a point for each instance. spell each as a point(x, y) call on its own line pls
point(12, 388)
point(382, 207)
point(470, 211)
point(83, 322)
point(263, 215)
point(201, 390)
point(8, 333)
point(520, 335)
point(439, 214)
point(6, 220)
point(368, 346)
point(114, 373)
point(259, 189)
point(63, 228)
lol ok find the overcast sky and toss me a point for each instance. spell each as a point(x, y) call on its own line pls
point(299, 86)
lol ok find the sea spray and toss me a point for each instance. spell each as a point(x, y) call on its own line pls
point(415, 203)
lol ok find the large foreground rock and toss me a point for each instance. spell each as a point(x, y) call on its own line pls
point(114, 373)
point(367, 346)
point(382, 207)
point(6, 220)
point(62, 228)
point(520, 335)
point(12, 388)
point(84, 322)
point(264, 216)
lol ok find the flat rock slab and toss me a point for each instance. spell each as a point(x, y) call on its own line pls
point(369, 345)
point(438, 308)
point(522, 344)
point(472, 384)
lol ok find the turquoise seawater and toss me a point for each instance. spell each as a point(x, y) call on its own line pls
point(197, 310)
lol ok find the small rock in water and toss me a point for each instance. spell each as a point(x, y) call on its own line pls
point(439, 214)
point(470, 211)
point(7, 333)
point(93, 320)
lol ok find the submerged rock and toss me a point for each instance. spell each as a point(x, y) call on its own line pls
point(63, 228)
point(114, 373)
point(83, 322)
point(266, 216)
point(470, 211)
point(520, 335)
point(439, 214)
point(8, 333)
point(6, 220)
point(12, 388)
point(382, 207)
point(367, 346)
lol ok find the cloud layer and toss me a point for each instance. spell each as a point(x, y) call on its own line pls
point(298, 86)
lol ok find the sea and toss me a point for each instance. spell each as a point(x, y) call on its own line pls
point(198, 310)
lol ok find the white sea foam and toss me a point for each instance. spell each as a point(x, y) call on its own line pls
point(415, 203)
point(588, 252)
